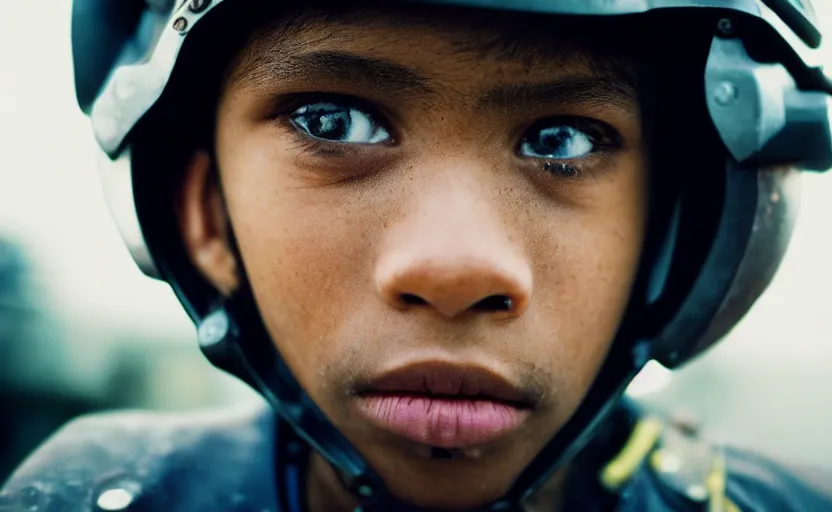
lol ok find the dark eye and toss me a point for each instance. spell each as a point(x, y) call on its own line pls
point(556, 141)
point(338, 122)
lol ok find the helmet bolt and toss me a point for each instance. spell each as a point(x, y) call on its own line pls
point(725, 27)
point(366, 491)
point(114, 499)
point(213, 329)
point(725, 93)
point(180, 24)
point(199, 5)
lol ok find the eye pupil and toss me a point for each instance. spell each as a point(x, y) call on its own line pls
point(557, 140)
point(555, 136)
point(338, 122)
point(330, 126)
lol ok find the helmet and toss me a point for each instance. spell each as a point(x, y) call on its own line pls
point(761, 105)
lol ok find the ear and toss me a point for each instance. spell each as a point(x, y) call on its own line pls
point(203, 222)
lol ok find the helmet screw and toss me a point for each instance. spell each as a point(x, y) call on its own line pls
point(180, 24)
point(726, 27)
point(366, 491)
point(213, 329)
point(725, 93)
point(199, 5)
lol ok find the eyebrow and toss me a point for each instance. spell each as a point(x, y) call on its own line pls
point(333, 66)
point(598, 88)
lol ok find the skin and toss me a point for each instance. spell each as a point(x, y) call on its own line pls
point(449, 209)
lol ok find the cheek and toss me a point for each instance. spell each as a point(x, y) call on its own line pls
point(588, 258)
point(308, 256)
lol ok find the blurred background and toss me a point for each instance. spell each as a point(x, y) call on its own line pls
point(82, 330)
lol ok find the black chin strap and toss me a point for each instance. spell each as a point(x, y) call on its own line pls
point(259, 364)
point(291, 463)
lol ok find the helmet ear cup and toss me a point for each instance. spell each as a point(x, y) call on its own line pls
point(777, 206)
point(728, 230)
point(696, 289)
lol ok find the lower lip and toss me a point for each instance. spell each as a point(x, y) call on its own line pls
point(443, 422)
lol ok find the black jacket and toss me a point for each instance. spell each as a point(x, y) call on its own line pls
point(224, 461)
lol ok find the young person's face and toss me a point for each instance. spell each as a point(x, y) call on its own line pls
point(417, 198)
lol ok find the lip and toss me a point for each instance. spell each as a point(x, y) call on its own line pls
point(444, 405)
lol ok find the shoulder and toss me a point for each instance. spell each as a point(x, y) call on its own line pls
point(209, 460)
point(684, 470)
point(758, 482)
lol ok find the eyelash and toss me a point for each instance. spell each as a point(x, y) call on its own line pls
point(562, 169)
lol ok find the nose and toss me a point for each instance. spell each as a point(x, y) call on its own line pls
point(454, 268)
point(455, 285)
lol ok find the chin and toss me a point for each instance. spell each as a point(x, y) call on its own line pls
point(457, 499)
point(449, 484)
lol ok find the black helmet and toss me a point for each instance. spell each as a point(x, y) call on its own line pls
point(713, 251)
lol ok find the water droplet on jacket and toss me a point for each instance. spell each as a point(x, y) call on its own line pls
point(116, 494)
point(115, 499)
point(697, 492)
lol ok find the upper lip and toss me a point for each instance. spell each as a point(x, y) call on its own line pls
point(446, 379)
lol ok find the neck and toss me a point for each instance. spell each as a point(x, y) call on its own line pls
point(324, 492)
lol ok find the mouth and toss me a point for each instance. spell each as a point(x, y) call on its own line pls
point(444, 405)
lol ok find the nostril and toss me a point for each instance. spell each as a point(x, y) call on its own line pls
point(412, 300)
point(495, 303)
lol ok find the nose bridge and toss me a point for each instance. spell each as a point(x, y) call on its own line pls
point(452, 252)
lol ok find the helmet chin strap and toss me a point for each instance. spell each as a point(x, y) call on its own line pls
point(233, 337)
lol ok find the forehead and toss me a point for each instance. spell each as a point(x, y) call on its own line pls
point(470, 42)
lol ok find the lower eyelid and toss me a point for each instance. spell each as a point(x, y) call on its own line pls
point(562, 169)
point(320, 148)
